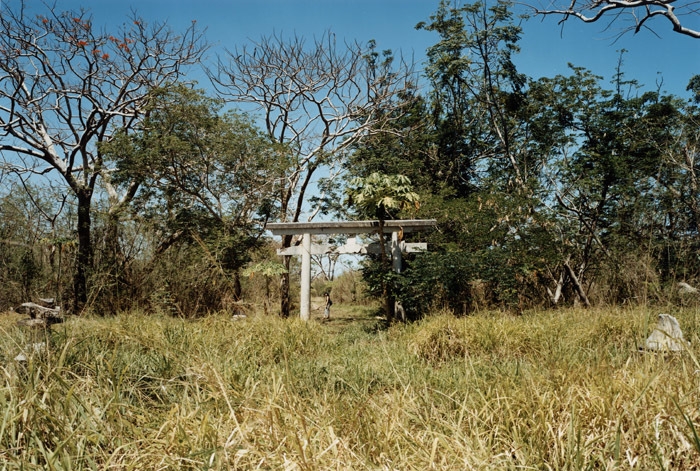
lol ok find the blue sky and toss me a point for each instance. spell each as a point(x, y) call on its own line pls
point(546, 49)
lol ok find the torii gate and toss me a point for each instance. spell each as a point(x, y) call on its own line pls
point(306, 249)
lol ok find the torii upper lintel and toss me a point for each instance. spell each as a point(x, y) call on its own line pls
point(349, 227)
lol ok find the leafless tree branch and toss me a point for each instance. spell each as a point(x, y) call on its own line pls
point(66, 86)
point(638, 11)
point(317, 99)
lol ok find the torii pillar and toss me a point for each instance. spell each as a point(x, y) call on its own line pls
point(306, 229)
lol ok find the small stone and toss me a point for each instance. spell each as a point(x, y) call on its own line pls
point(685, 288)
point(37, 347)
point(667, 336)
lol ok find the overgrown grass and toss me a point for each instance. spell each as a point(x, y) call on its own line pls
point(554, 390)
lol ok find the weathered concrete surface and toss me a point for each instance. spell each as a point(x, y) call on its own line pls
point(666, 337)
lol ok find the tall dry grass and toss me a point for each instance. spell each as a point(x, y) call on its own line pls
point(554, 390)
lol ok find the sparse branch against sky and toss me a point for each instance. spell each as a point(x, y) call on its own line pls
point(655, 54)
point(630, 15)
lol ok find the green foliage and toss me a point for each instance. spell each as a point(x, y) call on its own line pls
point(556, 172)
point(475, 89)
point(207, 182)
point(82, 83)
point(350, 288)
point(379, 195)
point(36, 247)
point(614, 186)
point(195, 164)
point(320, 287)
point(408, 149)
point(265, 268)
point(484, 168)
point(547, 192)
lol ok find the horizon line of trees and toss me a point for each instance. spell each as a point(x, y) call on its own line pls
point(124, 187)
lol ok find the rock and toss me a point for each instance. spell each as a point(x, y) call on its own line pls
point(685, 288)
point(666, 337)
point(37, 310)
point(31, 349)
point(45, 322)
point(48, 302)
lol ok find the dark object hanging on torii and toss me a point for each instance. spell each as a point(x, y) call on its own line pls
point(306, 249)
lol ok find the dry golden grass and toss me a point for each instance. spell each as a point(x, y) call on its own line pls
point(551, 390)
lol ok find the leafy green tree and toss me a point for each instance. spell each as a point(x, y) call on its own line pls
point(382, 196)
point(267, 269)
point(487, 139)
point(475, 88)
point(451, 144)
point(66, 86)
point(36, 243)
point(672, 130)
point(608, 184)
point(318, 99)
point(205, 177)
point(596, 154)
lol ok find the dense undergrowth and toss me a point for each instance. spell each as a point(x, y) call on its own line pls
point(547, 390)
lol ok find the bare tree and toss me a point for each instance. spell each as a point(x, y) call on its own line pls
point(66, 86)
point(638, 12)
point(318, 99)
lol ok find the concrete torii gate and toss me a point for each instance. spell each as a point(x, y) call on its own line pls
point(395, 248)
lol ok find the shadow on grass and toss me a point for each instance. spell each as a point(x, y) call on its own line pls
point(366, 318)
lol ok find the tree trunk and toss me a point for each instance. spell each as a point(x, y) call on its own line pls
point(266, 304)
point(284, 279)
point(118, 292)
point(284, 291)
point(388, 299)
point(84, 261)
point(237, 288)
point(556, 296)
point(577, 285)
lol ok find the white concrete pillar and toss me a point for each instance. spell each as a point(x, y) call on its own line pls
point(305, 307)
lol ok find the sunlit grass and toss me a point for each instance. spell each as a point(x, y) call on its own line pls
point(552, 390)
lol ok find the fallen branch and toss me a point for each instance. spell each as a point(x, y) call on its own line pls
point(577, 285)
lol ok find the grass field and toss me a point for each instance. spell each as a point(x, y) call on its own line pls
point(546, 390)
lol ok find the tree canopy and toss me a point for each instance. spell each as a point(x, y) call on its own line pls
point(66, 86)
point(148, 191)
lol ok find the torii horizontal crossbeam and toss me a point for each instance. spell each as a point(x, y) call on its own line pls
point(349, 227)
point(354, 248)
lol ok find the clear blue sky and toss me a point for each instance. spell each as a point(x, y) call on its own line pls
point(546, 50)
